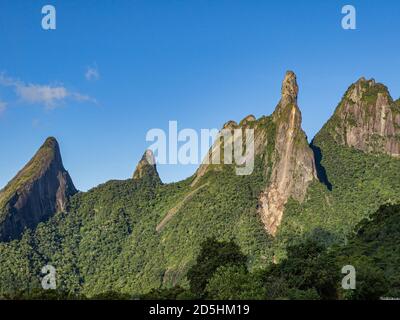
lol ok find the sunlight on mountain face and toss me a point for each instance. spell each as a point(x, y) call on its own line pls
point(180, 202)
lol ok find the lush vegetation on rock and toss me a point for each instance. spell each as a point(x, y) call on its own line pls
point(140, 238)
point(360, 183)
point(107, 241)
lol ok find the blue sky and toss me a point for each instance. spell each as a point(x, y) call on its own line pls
point(200, 63)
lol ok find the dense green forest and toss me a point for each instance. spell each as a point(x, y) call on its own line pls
point(107, 246)
point(107, 241)
point(203, 238)
point(356, 185)
point(310, 271)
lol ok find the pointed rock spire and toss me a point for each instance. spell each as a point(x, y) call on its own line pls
point(290, 89)
point(287, 109)
point(39, 190)
point(147, 169)
point(290, 163)
point(293, 166)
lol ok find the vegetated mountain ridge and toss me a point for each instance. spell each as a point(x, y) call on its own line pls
point(39, 190)
point(288, 160)
point(356, 155)
point(135, 235)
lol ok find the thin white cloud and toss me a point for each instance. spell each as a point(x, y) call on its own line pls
point(82, 97)
point(92, 73)
point(49, 95)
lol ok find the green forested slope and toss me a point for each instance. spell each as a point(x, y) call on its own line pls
point(139, 236)
point(107, 241)
point(361, 183)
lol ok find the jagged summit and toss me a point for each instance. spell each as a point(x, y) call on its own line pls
point(230, 125)
point(289, 160)
point(246, 120)
point(51, 142)
point(146, 168)
point(39, 190)
point(287, 108)
point(293, 166)
point(290, 89)
point(363, 88)
point(158, 229)
point(367, 119)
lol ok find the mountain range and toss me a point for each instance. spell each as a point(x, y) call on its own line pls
point(139, 235)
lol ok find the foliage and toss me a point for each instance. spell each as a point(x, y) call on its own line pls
point(235, 282)
point(213, 254)
point(107, 241)
point(308, 267)
point(106, 246)
point(360, 184)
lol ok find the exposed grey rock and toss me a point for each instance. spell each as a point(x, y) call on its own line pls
point(367, 119)
point(39, 190)
point(146, 168)
point(293, 167)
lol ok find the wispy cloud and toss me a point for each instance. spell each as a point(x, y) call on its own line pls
point(51, 96)
point(48, 95)
point(92, 73)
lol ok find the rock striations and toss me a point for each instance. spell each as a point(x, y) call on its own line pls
point(39, 190)
point(293, 167)
point(367, 119)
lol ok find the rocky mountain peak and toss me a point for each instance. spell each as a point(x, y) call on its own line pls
point(367, 119)
point(230, 125)
point(364, 89)
point(246, 120)
point(146, 168)
point(52, 147)
point(293, 166)
point(290, 89)
point(289, 160)
point(39, 190)
point(287, 109)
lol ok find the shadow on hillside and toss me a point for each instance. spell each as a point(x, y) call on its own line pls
point(321, 172)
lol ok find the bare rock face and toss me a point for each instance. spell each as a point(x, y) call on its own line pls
point(367, 119)
point(146, 168)
point(39, 190)
point(288, 159)
point(216, 152)
point(247, 120)
point(293, 167)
